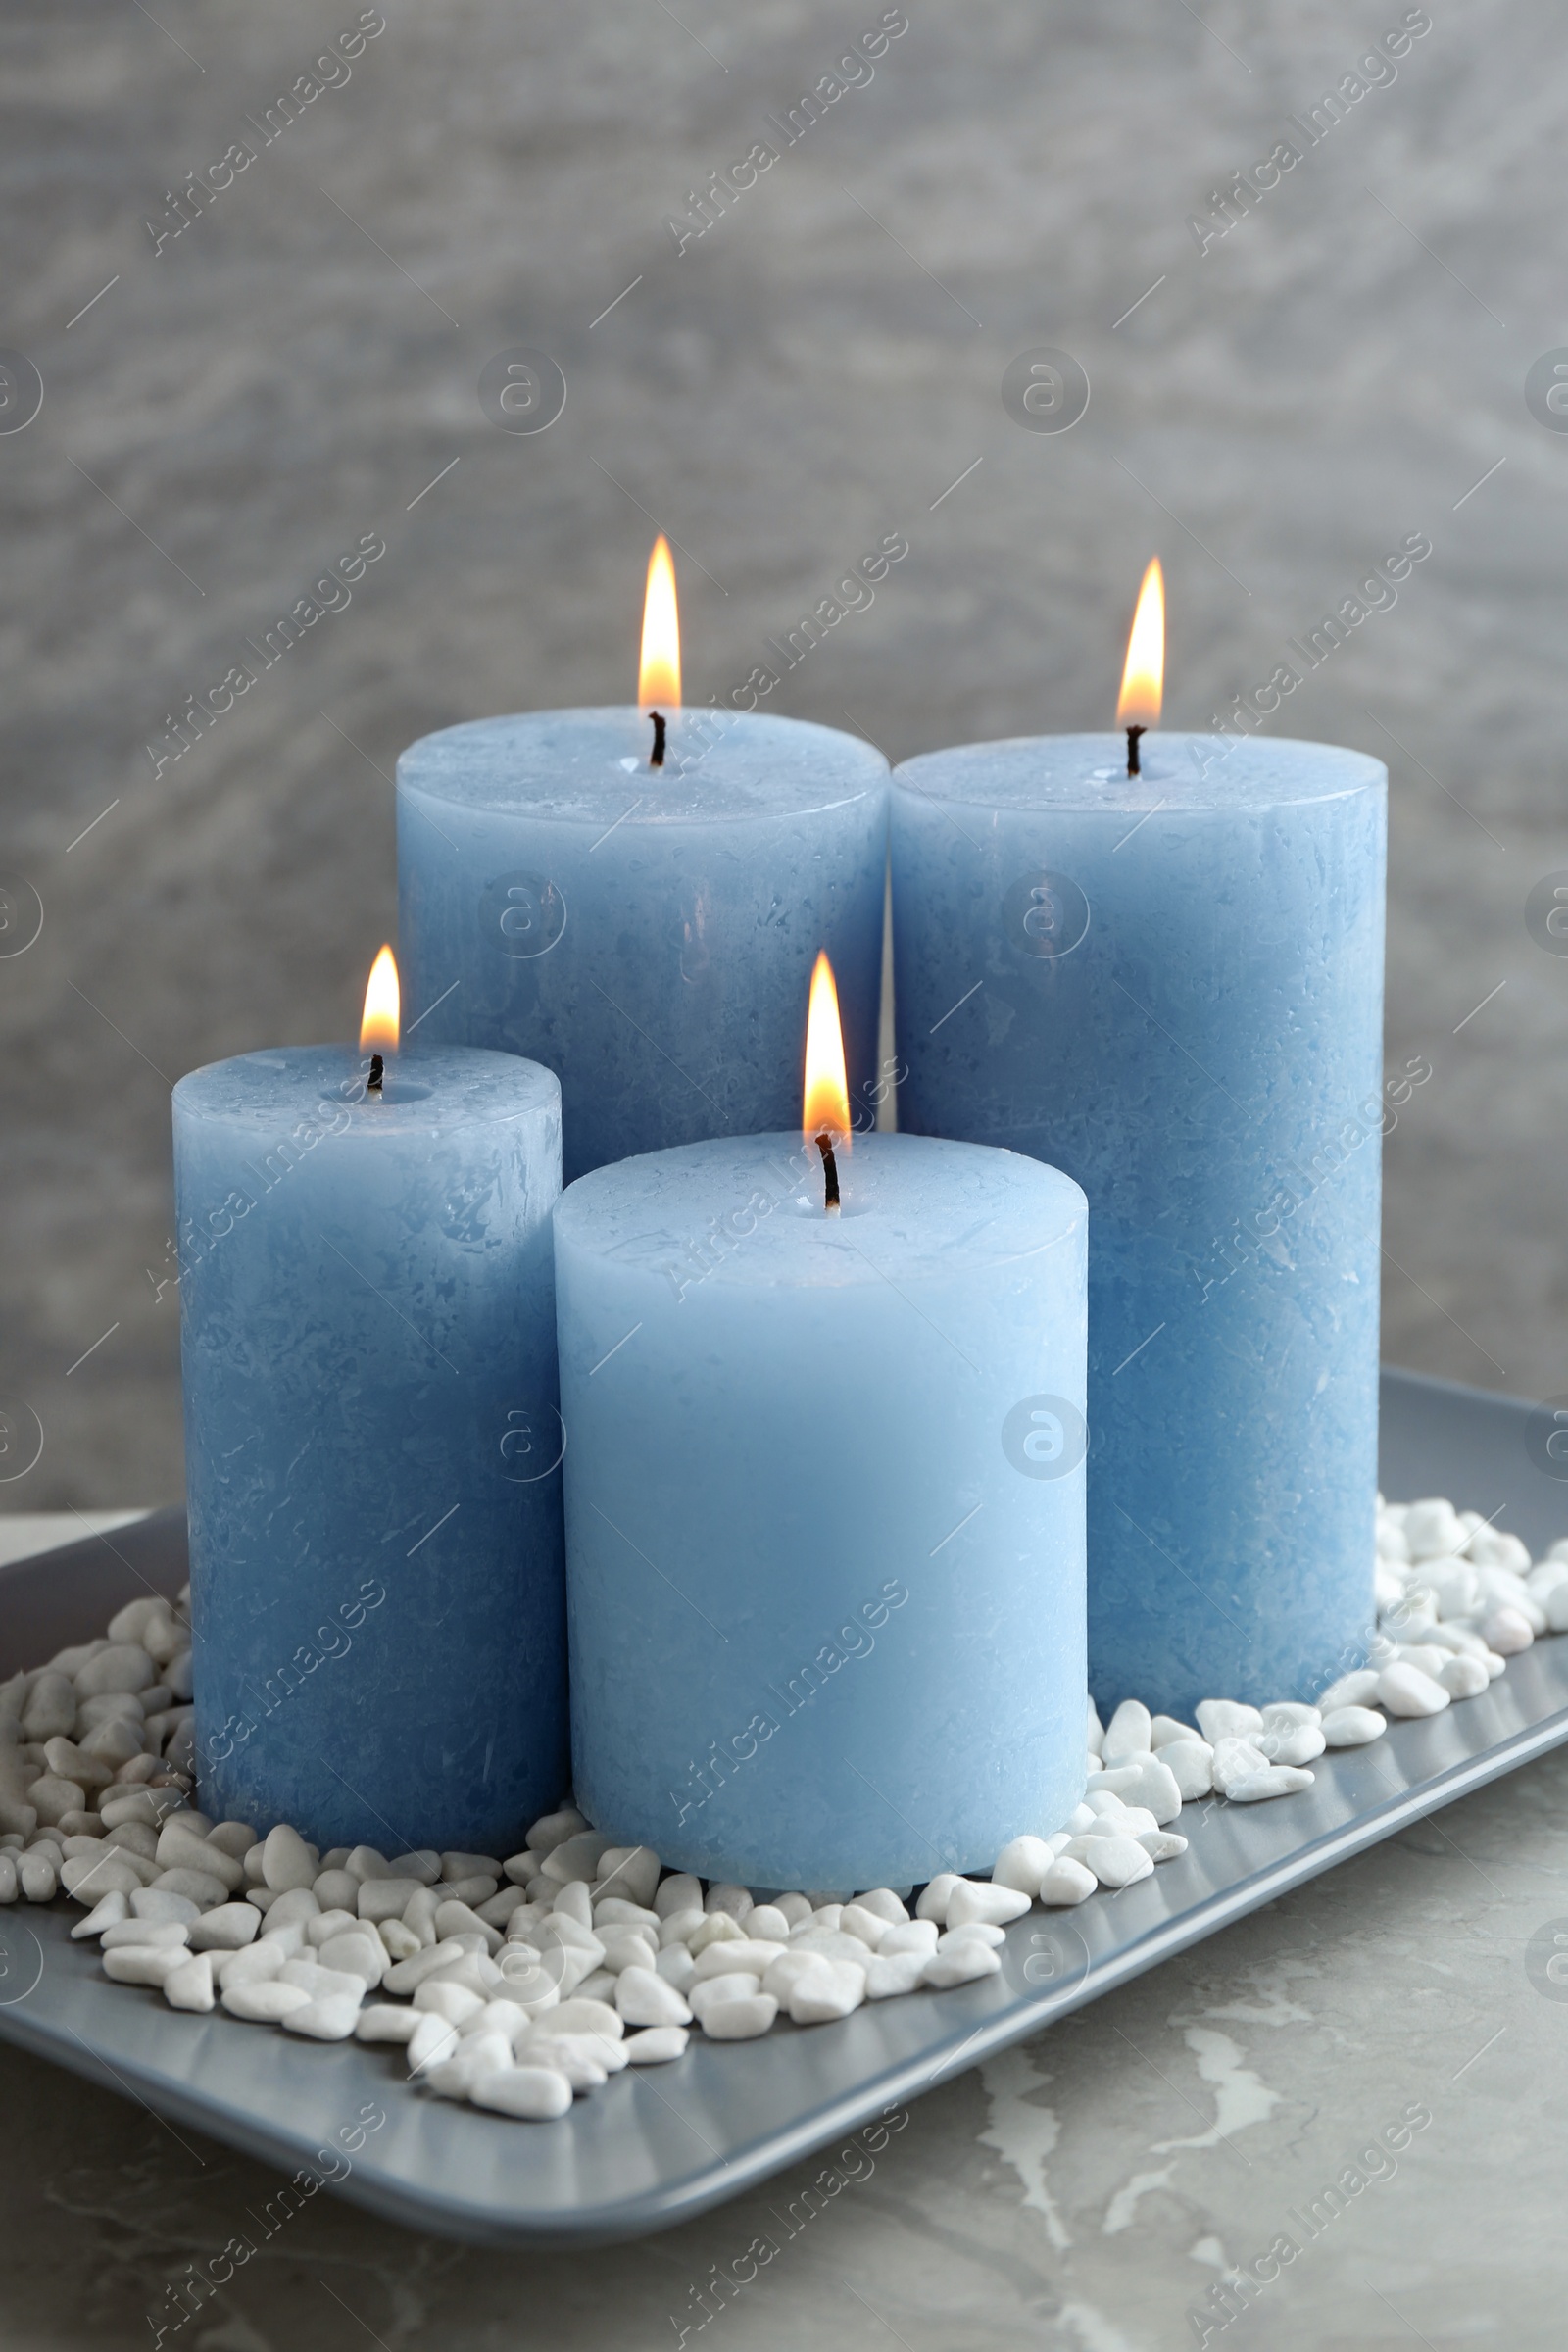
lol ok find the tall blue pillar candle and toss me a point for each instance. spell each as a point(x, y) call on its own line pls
point(825, 1505)
point(1171, 986)
point(367, 1291)
point(648, 933)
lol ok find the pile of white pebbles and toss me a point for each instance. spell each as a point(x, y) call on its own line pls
point(517, 1981)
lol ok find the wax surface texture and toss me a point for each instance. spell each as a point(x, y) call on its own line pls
point(1171, 986)
point(646, 933)
point(825, 1505)
point(366, 1294)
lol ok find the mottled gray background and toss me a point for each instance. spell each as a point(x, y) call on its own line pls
point(292, 372)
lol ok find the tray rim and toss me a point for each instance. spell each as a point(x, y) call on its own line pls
point(433, 2207)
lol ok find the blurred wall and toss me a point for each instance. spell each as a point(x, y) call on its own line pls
point(1272, 408)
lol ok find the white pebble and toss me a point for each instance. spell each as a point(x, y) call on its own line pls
point(171, 1933)
point(480, 2055)
point(1358, 1689)
point(575, 1858)
point(580, 2016)
point(1406, 1691)
point(573, 2055)
point(933, 1903)
point(1066, 1882)
point(1148, 1780)
point(437, 1997)
point(252, 1964)
point(1292, 1744)
point(899, 1972)
point(1506, 1631)
point(1128, 1732)
point(725, 1959)
point(717, 1927)
point(263, 2003)
point(1432, 1530)
point(535, 2094)
point(645, 1998)
point(226, 1928)
point(1097, 1731)
point(1227, 1719)
point(829, 1988)
point(914, 1935)
point(868, 1926)
point(681, 1892)
point(1161, 1845)
point(743, 2020)
point(387, 2021)
point(1115, 1861)
point(1353, 1726)
point(433, 2039)
point(1165, 1728)
point(36, 1877)
point(976, 1899)
point(109, 1913)
point(1236, 1759)
point(980, 1929)
point(190, 1984)
point(361, 1955)
point(964, 1961)
point(1275, 1780)
point(286, 1860)
point(143, 1963)
point(1022, 1864)
point(656, 2046)
point(767, 1924)
point(629, 1870)
point(1191, 1765)
point(1464, 1678)
point(676, 1966)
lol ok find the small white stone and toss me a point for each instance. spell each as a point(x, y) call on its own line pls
point(629, 1870)
point(1506, 1631)
point(535, 2094)
point(1236, 1759)
point(656, 2046)
point(1353, 1726)
point(438, 1997)
point(291, 1908)
point(1116, 1861)
point(1161, 1845)
point(1275, 1780)
point(574, 2055)
point(747, 1956)
point(143, 1963)
point(899, 1973)
point(407, 1976)
point(680, 1892)
point(645, 1998)
point(554, 1828)
point(172, 1934)
point(286, 1860)
point(1292, 1744)
point(1464, 1678)
point(625, 1947)
point(387, 2021)
point(581, 2016)
point(914, 1935)
point(679, 1926)
point(933, 1903)
point(1066, 1882)
point(226, 1929)
point(433, 2039)
point(743, 2020)
point(676, 1966)
point(767, 1924)
point(868, 1926)
point(1022, 1864)
point(263, 2003)
point(110, 1912)
point(964, 1960)
point(1165, 1728)
point(204, 1889)
point(575, 1857)
point(481, 2054)
point(1358, 1689)
point(976, 1899)
point(1432, 1530)
point(1148, 1781)
point(1227, 1719)
point(1080, 1820)
point(829, 1988)
point(359, 1952)
point(1127, 1734)
point(1190, 1763)
point(252, 1964)
point(980, 1929)
point(718, 1927)
point(36, 1877)
point(1097, 1731)
point(1406, 1691)
point(190, 1984)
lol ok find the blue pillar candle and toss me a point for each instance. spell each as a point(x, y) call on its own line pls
point(1171, 986)
point(646, 932)
point(366, 1293)
point(825, 1505)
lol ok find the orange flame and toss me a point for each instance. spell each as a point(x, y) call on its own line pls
point(1143, 682)
point(827, 1088)
point(383, 1020)
point(658, 675)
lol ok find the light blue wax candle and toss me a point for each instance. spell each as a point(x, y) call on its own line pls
point(825, 1505)
point(367, 1291)
point(1171, 986)
point(648, 933)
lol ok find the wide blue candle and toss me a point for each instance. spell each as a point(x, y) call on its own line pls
point(372, 1440)
point(648, 933)
point(825, 1505)
point(1171, 986)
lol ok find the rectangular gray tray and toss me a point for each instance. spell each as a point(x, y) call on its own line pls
point(656, 2147)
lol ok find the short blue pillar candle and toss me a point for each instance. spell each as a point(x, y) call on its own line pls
point(825, 1505)
point(373, 1441)
point(648, 933)
point(1171, 986)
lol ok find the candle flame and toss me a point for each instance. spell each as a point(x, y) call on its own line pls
point(382, 1024)
point(1143, 681)
point(828, 1089)
point(659, 675)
